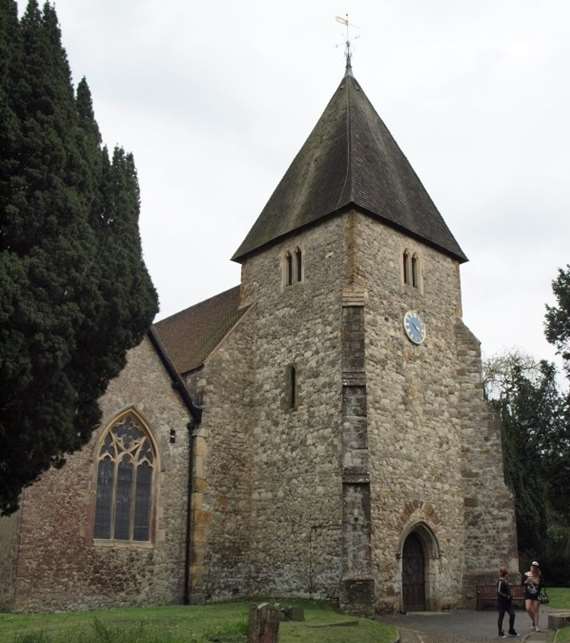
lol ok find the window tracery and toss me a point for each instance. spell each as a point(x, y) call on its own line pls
point(125, 479)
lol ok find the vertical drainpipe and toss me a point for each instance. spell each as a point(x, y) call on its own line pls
point(188, 549)
point(195, 417)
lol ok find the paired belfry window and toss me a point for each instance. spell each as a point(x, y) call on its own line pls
point(126, 473)
point(411, 269)
point(293, 267)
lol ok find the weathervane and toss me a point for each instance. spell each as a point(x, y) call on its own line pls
point(348, 54)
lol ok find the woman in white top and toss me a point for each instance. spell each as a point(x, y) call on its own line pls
point(532, 582)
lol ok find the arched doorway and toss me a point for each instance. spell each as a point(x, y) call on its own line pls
point(413, 574)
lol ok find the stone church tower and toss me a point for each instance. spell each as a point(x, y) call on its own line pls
point(343, 447)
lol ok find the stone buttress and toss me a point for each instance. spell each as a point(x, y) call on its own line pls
point(357, 581)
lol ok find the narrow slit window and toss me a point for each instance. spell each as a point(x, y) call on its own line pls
point(415, 281)
point(292, 386)
point(299, 262)
point(406, 267)
point(288, 269)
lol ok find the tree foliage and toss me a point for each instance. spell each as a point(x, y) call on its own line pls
point(557, 320)
point(534, 414)
point(74, 291)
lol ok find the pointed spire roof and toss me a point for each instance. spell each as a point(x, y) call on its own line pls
point(350, 160)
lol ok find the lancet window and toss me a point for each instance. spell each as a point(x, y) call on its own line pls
point(126, 473)
point(288, 269)
point(293, 269)
point(299, 264)
point(411, 269)
point(415, 276)
point(292, 387)
point(406, 266)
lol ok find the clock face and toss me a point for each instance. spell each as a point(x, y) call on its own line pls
point(414, 327)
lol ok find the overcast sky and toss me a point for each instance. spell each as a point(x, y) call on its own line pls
point(215, 98)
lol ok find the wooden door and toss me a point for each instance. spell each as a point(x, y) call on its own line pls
point(413, 575)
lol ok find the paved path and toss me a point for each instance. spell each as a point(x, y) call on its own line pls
point(461, 626)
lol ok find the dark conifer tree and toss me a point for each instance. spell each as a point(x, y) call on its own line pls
point(10, 59)
point(74, 292)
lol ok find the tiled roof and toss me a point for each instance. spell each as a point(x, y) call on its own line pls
point(190, 335)
point(350, 159)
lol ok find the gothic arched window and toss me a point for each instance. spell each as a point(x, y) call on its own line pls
point(126, 464)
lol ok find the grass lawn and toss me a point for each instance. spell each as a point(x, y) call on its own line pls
point(222, 622)
point(559, 597)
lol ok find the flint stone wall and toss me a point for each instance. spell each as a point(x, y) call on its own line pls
point(222, 482)
point(427, 425)
point(414, 437)
point(295, 463)
point(490, 527)
point(59, 566)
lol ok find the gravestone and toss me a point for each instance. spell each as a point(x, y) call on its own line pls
point(263, 624)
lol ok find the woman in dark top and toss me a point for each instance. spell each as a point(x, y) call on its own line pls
point(532, 582)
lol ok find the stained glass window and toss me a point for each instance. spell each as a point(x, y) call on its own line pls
point(125, 476)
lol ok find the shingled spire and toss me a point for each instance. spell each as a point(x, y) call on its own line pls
point(350, 160)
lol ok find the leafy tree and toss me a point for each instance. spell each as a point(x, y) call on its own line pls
point(557, 321)
point(557, 331)
point(74, 291)
point(513, 382)
point(534, 414)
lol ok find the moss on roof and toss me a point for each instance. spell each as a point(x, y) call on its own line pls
point(350, 158)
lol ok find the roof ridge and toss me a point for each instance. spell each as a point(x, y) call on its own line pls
point(348, 174)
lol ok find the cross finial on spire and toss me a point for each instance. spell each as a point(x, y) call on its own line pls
point(347, 52)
